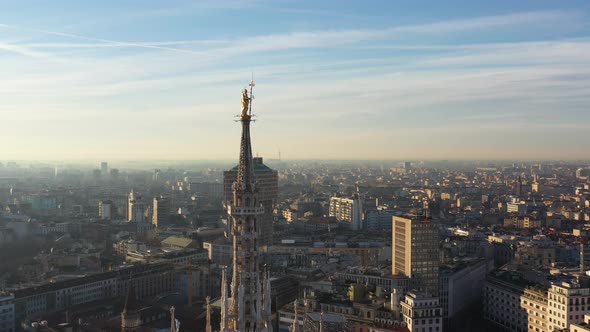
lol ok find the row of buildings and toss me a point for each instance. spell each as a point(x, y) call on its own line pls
point(514, 303)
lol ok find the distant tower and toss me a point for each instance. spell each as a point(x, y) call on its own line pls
point(535, 187)
point(130, 201)
point(104, 168)
point(248, 309)
point(519, 187)
point(408, 166)
point(136, 208)
point(349, 210)
point(157, 175)
point(160, 210)
point(106, 210)
point(130, 317)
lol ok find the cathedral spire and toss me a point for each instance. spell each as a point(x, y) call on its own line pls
point(246, 310)
point(245, 181)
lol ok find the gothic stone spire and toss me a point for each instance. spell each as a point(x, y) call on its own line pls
point(246, 307)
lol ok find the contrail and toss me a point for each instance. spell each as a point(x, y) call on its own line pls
point(22, 50)
point(106, 41)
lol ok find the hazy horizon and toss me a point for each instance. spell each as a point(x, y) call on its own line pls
point(335, 80)
point(111, 162)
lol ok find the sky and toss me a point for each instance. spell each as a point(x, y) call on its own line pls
point(379, 80)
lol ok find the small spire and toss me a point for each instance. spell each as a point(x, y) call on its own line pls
point(208, 327)
point(174, 324)
point(305, 302)
point(295, 322)
point(267, 298)
point(130, 300)
point(223, 300)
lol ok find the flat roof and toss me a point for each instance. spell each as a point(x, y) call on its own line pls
point(326, 317)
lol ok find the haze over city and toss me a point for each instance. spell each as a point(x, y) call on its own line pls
point(294, 166)
point(379, 80)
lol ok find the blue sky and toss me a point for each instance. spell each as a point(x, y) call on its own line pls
point(335, 79)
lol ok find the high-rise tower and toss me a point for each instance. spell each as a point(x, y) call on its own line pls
point(415, 254)
point(249, 308)
point(160, 210)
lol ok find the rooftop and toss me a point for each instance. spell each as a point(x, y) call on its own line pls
point(177, 241)
point(126, 271)
point(326, 317)
point(509, 278)
point(258, 167)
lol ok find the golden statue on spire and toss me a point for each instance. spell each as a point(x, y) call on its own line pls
point(245, 104)
point(247, 101)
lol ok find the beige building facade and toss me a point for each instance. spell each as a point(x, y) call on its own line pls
point(415, 251)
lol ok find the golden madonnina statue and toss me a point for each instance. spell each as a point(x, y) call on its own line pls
point(245, 104)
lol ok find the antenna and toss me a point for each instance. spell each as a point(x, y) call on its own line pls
point(251, 94)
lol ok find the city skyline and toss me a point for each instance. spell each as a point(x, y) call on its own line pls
point(114, 81)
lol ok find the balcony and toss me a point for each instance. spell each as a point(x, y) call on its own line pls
point(245, 211)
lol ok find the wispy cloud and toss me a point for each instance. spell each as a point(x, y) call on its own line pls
point(204, 7)
point(22, 50)
point(311, 39)
point(112, 43)
point(359, 81)
point(524, 53)
point(124, 44)
point(324, 39)
point(527, 19)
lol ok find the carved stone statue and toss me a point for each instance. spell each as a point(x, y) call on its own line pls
point(245, 103)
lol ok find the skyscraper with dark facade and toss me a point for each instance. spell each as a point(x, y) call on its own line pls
point(160, 210)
